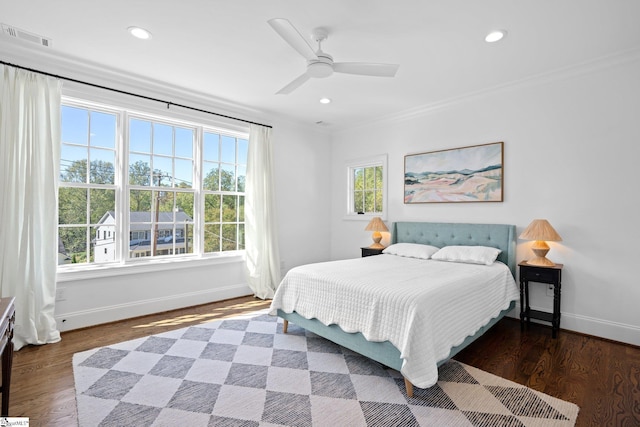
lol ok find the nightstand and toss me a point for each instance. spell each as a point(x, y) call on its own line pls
point(371, 251)
point(550, 275)
point(7, 322)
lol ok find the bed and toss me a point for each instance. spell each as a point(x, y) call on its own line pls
point(413, 330)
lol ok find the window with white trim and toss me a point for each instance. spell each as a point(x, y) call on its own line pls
point(136, 185)
point(161, 187)
point(87, 183)
point(367, 182)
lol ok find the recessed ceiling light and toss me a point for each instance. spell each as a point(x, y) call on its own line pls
point(495, 36)
point(139, 33)
point(325, 101)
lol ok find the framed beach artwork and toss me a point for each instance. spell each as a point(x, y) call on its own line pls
point(466, 174)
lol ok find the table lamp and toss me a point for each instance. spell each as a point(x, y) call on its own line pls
point(376, 225)
point(541, 231)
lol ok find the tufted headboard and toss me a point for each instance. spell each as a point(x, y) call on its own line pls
point(440, 234)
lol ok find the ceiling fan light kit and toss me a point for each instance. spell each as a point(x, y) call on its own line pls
point(319, 63)
point(321, 68)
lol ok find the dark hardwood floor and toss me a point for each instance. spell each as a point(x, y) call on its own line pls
point(602, 377)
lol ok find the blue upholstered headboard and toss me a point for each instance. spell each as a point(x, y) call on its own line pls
point(440, 234)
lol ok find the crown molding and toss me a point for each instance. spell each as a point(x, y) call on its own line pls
point(46, 59)
point(568, 72)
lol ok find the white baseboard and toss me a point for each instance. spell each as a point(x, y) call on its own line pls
point(615, 331)
point(601, 328)
point(83, 319)
point(573, 322)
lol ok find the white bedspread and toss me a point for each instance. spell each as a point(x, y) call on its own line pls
point(424, 308)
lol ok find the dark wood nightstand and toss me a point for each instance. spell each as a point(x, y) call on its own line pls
point(551, 275)
point(371, 251)
point(7, 321)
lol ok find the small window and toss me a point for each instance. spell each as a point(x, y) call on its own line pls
point(367, 182)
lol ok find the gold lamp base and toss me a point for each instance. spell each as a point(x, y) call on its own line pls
point(541, 262)
point(377, 237)
point(540, 249)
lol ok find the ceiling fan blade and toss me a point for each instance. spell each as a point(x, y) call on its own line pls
point(366, 69)
point(293, 85)
point(292, 36)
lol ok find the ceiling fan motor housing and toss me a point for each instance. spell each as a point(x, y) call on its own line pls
point(321, 67)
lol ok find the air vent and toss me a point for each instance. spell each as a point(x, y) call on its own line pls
point(25, 35)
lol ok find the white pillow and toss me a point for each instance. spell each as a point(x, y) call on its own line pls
point(411, 250)
point(468, 254)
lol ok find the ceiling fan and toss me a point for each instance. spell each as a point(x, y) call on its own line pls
point(319, 63)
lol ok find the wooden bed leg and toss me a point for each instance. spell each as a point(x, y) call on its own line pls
point(409, 387)
point(285, 326)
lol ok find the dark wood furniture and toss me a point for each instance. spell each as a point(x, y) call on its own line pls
point(370, 251)
point(8, 313)
point(551, 275)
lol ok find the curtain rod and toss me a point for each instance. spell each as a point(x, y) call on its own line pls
point(168, 103)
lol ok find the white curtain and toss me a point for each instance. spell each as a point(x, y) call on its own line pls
point(29, 165)
point(261, 234)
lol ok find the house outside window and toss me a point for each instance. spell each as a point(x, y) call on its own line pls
point(134, 186)
point(366, 189)
point(87, 188)
point(161, 188)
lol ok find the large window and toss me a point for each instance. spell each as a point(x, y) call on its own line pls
point(134, 186)
point(366, 187)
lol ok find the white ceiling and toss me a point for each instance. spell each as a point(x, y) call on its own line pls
point(226, 49)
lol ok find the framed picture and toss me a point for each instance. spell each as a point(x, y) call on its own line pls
point(466, 174)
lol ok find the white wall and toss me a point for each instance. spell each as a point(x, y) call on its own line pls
point(303, 195)
point(571, 153)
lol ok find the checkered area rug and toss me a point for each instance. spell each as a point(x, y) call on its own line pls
point(246, 372)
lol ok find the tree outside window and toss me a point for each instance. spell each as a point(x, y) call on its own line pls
point(366, 187)
point(171, 211)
